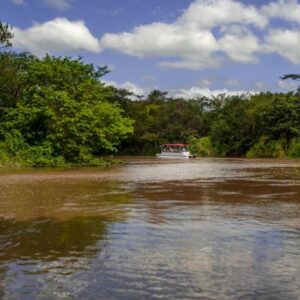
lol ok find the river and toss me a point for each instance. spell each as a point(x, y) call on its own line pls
point(152, 229)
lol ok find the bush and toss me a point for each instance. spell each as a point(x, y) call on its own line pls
point(15, 152)
point(294, 148)
point(201, 146)
point(265, 148)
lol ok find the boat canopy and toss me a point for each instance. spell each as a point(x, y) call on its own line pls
point(175, 145)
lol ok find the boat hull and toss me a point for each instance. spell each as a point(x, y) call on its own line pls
point(184, 154)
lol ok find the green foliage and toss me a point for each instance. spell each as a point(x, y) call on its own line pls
point(282, 120)
point(262, 125)
point(201, 146)
point(61, 111)
point(14, 151)
point(5, 35)
point(294, 148)
point(56, 111)
point(290, 76)
point(265, 148)
point(160, 120)
point(231, 132)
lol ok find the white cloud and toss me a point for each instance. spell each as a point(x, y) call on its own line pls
point(288, 85)
point(58, 35)
point(129, 86)
point(187, 93)
point(59, 4)
point(164, 40)
point(160, 39)
point(284, 9)
point(213, 13)
point(190, 38)
point(133, 88)
point(209, 32)
point(195, 92)
point(284, 42)
point(240, 44)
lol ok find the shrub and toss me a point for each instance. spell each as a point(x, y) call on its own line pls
point(294, 148)
point(265, 148)
point(201, 146)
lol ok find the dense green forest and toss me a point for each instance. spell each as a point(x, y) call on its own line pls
point(56, 110)
point(262, 125)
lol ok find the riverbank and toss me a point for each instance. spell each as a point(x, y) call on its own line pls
point(95, 162)
point(159, 168)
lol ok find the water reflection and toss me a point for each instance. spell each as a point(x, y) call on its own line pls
point(225, 230)
point(48, 239)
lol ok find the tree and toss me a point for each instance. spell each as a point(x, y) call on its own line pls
point(290, 76)
point(63, 107)
point(5, 35)
point(13, 67)
point(282, 121)
point(157, 96)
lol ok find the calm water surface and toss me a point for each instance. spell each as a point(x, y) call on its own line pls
point(153, 229)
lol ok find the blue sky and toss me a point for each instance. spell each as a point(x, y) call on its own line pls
point(187, 47)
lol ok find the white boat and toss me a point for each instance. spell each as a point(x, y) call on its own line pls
point(174, 151)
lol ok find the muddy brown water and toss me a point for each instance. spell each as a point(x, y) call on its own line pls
point(152, 229)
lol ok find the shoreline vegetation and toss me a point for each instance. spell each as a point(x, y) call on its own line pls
point(56, 111)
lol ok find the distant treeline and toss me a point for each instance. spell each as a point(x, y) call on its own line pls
point(262, 125)
point(56, 110)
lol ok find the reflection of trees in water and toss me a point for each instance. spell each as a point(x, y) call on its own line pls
point(51, 229)
point(55, 244)
point(48, 239)
point(2, 277)
point(36, 246)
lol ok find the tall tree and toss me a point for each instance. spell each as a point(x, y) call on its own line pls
point(63, 107)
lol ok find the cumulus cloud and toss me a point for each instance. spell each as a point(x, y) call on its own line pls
point(283, 9)
point(58, 35)
point(213, 13)
point(159, 39)
point(240, 44)
point(210, 32)
point(191, 37)
point(284, 42)
point(59, 4)
point(166, 40)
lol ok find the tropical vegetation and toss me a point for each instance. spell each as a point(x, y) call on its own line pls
point(57, 111)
